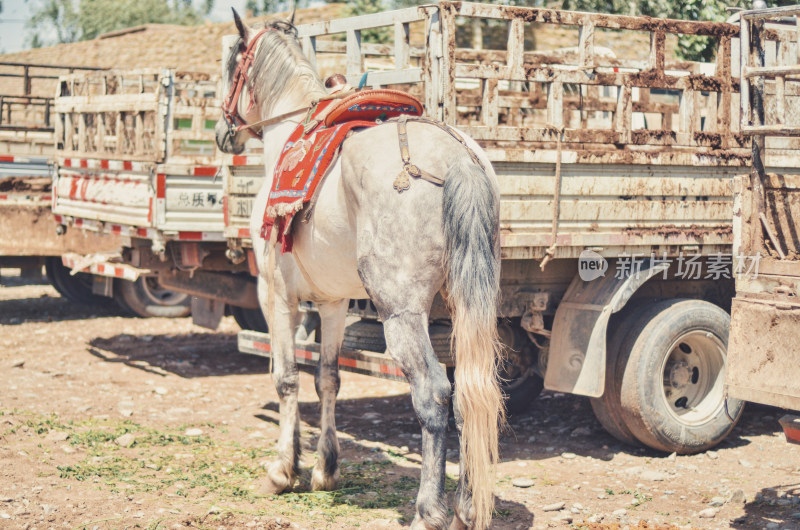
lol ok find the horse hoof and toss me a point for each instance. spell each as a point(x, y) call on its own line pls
point(270, 486)
point(322, 482)
point(457, 523)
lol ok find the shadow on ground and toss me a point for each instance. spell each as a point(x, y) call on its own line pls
point(186, 355)
point(772, 505)
point(49, 308)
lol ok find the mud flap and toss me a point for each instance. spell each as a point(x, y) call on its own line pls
point(576, 363)
point(206, 312)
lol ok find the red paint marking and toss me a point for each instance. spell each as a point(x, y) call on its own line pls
point(67, 162)
point(205, 171)
point(391, 371)
point(116, 229)
point(225, 210)
point(84, 163)
point(79, 222)
point(244, 232)
point(150, 210)
point(161, 186)
point(239, 160)
point(616, 70)
point(127, 165)
point(3, 197)
point(304, 354)
point(6, 158)
point(191, 236)
point(251, 263)
point(73, 188)
point(350, 363)
point(142, 232)
point(84, 187)
point(262, 346)
point(59, 219)
point(119, 272)
point(104, 164)
point(101, 268)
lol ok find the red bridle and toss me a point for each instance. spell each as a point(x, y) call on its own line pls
point(230, 107)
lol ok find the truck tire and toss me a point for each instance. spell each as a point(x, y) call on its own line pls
point(146, 298)
point(672, 386)
point(252, 319)
point(608, 408)
point(77, 289)
point(365, 334)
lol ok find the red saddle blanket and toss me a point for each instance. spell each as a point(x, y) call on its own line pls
point(312, 148)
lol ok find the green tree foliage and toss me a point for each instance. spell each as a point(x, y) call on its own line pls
point(60, 21)
point(266, 7)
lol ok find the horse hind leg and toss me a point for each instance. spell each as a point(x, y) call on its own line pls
point(283, 472)
point(464, 514)
point(408, 342)
point(325, 475)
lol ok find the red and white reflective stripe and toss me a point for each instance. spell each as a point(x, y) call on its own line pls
point(25, 198)
point(109, 270)
point(387, 369)
point(243, 160)
point(97, 163)
point(188, 235)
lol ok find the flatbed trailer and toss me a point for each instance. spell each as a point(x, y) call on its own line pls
point(765, 320)
point(615, 175)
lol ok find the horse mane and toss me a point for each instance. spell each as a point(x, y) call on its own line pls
point(279, 67)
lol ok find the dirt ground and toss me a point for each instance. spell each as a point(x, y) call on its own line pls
point(108, 421)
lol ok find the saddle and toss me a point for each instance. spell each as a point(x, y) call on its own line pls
point(314, 145)
point(372, 105)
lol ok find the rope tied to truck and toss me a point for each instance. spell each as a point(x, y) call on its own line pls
point(551, 250)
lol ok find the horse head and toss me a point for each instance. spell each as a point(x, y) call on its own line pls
point(264, 73)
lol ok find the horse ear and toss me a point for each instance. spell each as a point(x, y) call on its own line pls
point(240, 27)
point(294, 12)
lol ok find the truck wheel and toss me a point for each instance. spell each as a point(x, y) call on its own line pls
point(77, 289)
point(607, 408)
point(365, 334)
point(520, 391)
point(146, 298)
point(672, 388)
point(252, 319)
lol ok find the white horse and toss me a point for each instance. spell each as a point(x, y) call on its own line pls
point(364, 239)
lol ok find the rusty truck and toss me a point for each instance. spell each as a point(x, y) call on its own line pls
point(765, 318)
point(616, 162)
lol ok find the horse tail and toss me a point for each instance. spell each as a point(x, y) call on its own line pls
point(471, 214)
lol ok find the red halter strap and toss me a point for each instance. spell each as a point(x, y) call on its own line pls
point(240, 77)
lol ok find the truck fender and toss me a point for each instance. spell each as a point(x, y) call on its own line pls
point(576, 362)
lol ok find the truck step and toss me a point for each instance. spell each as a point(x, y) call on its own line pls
point(307, 353)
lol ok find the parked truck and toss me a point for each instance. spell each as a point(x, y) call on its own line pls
point(28, 237)
point(615, 175)
point(765, 318)
point(83, 266)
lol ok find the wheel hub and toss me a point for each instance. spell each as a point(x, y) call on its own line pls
point(680, 374)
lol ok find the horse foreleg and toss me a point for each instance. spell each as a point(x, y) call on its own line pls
point(326, 472)
point(408, 342)
point(281, 320)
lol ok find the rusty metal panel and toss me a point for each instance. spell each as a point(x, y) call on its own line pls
point(30, 230)
point(762, 355)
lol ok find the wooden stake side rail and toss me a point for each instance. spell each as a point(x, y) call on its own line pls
point(520, 99)
point(307, 353)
